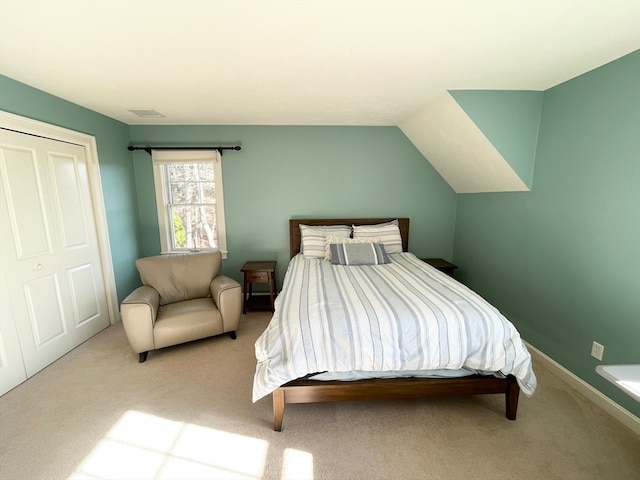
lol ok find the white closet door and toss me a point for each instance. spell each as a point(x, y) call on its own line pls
point(50, 253)
point(12, 370)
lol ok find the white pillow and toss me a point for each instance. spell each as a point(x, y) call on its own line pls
point(313, 238)
point(340, 240)
point(388, 234)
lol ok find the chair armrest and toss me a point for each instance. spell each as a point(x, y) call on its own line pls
point(227, 295)
point(139, 311)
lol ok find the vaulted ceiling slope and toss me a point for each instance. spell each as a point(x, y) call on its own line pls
point(312, 62)
point(479, 141)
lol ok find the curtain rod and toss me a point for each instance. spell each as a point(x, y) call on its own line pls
point(148, 149)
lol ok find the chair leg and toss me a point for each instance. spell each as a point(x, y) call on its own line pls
point(232, 335)
point(142, 357)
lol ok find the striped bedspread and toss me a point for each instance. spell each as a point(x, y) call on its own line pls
point(401, 316)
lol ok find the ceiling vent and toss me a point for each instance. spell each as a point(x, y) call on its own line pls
point(147, 113)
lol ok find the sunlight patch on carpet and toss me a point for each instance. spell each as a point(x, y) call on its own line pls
point(143, 446)
point(297, 465)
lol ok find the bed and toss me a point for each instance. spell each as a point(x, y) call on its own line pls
point(360, 354)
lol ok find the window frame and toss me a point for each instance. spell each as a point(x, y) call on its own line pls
point(161, 159)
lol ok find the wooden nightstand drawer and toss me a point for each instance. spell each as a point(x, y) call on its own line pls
point(257, 277)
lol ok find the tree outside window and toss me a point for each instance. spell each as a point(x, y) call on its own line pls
point(192, 205)
point(189, 199)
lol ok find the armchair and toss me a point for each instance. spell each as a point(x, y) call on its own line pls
point(183, 298)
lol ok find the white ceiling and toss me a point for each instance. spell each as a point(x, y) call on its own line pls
point(301, 62)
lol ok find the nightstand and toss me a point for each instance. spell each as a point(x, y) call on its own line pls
point(441, 265)
point(258, 272)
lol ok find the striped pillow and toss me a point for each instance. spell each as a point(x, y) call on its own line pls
point(332, 239)
point(313, 238)
point(358, 254)
point(388, 233)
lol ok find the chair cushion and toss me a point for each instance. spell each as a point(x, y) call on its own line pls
point(187, 321)
point(179, 277)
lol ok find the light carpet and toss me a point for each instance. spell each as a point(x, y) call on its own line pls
point(187, 414)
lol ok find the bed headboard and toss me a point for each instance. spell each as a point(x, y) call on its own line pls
point(295, 237)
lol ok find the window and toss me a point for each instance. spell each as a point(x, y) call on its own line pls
point(189, 198)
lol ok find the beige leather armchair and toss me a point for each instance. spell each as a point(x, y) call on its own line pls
point(183, 298)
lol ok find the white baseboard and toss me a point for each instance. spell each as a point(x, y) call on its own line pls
point(621, 414)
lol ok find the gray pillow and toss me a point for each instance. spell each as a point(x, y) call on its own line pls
point(358, 254)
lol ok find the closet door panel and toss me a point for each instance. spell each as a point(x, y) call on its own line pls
point(25, 206)
point(12, 371)
point(84, 292)
point(69, 207)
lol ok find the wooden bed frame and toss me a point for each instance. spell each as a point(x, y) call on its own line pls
point(310, 391)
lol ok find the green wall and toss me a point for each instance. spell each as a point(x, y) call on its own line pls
point(116, 172)
point(284, 172)
point(509, 119)
point(563, 261)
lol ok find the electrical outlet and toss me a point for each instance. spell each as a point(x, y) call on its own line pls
point(597, 350)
